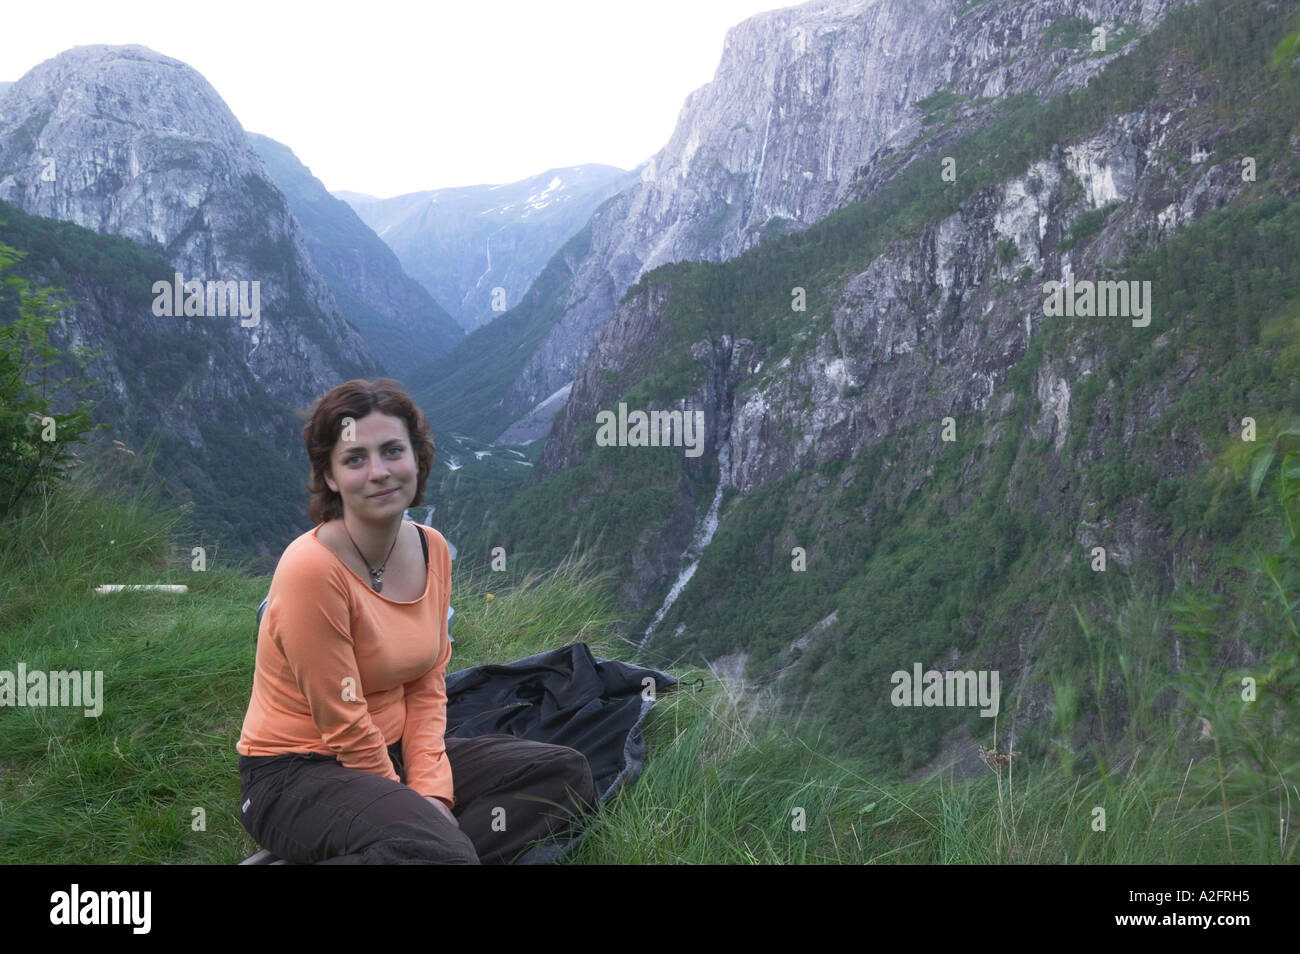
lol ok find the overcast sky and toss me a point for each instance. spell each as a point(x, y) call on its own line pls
point(391, 97)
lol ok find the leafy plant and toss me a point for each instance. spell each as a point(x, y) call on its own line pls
point(37, 442)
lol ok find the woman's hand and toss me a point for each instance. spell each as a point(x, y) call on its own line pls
point(439, 804)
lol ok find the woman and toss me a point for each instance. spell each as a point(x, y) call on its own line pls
point(342, 754)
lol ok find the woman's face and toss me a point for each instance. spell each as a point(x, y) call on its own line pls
point(373, 467)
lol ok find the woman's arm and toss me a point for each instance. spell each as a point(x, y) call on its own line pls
point(310, 625)
point(424, 751)
point(423, 748)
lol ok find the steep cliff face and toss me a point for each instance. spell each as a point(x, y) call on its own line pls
point(920, 463)
point(401, 323)
point(805, 105)
point(933, 326)
point(125, 141)
point(893, 357)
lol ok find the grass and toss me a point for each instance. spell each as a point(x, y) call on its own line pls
point(728, 778)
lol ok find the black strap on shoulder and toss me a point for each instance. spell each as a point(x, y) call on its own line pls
point(424, 545)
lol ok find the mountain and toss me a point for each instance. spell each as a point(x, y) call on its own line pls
point(173, 391)
point(910, 451)
point(401, 323)
point(125, 141)
point(135, 145)
point(464, 243)
point(806, 102)
point(4, 87)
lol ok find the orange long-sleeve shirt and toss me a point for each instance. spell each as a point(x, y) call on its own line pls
point(345, 671)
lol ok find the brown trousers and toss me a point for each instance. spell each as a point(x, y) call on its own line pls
point(309, 809)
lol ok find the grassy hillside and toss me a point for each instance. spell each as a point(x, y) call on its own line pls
point(725, 780)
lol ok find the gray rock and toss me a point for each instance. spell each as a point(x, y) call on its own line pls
point(126, 141)
point(806, 103)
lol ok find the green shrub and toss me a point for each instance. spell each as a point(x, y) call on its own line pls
point(37, 443)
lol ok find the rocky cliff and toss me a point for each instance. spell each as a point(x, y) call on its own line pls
point(912, 451)
point(805, 105)
point(139, 148)
point(126, 141)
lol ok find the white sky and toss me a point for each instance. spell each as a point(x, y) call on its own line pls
point(389, 97)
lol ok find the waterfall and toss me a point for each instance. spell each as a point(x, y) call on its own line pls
point(703, 535)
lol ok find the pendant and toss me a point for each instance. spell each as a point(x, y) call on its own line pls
point(379, 583)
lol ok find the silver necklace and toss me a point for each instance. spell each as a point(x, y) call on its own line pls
point(376, 575)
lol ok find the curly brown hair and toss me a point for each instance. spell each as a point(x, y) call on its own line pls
point(324, 428)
